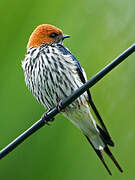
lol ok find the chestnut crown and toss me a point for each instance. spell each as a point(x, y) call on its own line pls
point(46, 34)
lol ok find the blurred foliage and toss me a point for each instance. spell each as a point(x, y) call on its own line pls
point(100, 30)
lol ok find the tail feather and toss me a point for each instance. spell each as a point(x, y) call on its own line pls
point(108, 152)
point(98, 152)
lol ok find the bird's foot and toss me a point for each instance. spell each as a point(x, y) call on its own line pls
point(59, 106)
point(45, 120)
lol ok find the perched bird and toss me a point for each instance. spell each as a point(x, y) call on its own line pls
point(52, 73)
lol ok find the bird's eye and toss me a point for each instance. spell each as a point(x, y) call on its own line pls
point(53, 35)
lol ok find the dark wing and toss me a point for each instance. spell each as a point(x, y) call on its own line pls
point(103, 131)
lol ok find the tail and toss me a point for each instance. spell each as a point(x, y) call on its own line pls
point(108, 152)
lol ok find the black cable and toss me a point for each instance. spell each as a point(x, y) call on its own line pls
point(49, 115)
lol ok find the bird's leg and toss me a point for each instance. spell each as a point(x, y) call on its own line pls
point(44, 118)
point(59, 106)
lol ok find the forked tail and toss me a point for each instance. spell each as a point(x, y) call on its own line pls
point(108, 152)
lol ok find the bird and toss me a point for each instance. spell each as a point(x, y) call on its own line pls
point(52, 73)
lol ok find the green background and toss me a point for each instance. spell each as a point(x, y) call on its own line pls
point(100, 30)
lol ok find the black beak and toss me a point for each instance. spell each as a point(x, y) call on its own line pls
point(65, 36)
point(60, 38)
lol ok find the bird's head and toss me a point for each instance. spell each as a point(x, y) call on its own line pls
point(46, 34)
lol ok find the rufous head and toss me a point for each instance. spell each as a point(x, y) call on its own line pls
point(46, 34)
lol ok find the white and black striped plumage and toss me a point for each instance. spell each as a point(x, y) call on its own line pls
point(52, 73)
